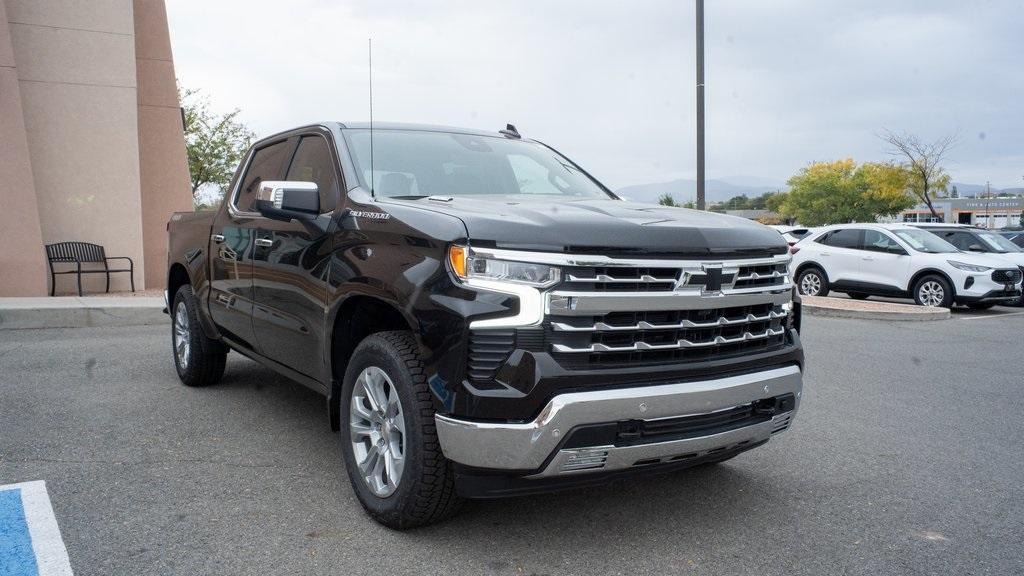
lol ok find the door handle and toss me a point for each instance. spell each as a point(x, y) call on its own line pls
point(218, 238)
point(264, 242)
point(867, 258)
point(826, 254)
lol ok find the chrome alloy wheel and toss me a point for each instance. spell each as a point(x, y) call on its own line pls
point(810, 284)
point(931, 293)
point(377, 428)
point(182, 347)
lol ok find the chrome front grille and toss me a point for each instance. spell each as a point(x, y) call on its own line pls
point(652, 337)
point(668, 279)
point(667, 312)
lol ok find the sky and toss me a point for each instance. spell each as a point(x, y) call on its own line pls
point(611, 84)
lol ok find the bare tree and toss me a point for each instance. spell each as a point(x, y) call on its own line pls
point(923, 161)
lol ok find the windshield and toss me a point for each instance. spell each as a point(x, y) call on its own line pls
point(923, 241)
point(998, 243)
point(416, 163)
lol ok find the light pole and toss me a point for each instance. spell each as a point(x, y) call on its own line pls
point(700, 104)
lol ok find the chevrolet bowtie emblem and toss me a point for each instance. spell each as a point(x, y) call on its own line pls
point(711, 276)
point(712, 279)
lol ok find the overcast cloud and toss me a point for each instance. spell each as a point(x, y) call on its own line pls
point(611, 84)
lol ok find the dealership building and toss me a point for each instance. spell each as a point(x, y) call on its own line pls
point(91, 143)
point(984, 212)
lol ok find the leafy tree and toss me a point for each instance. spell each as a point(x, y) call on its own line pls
point(775, 200)
point(215, 144)
point(841, 191)
point(922, 160)
point(666, 199)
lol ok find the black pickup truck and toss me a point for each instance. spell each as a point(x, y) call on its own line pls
point(485, 318)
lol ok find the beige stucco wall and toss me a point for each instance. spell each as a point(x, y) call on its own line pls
point(163, 168)
point(22, 267)
point(76, 72)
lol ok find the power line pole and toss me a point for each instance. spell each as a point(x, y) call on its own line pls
point(700, 105)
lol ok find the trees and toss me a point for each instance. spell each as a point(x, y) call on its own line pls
point(215, 143)
point(922, 160)
point(841, 191)
point(666, 199)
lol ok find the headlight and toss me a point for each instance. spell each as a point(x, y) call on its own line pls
point(468, 266)
point(967, 267)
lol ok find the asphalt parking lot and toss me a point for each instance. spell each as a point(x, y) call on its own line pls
point(906, 458)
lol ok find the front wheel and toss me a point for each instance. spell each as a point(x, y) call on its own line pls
point(198, 359)
point(390, 446)
point(933, 291)
point(812, 282)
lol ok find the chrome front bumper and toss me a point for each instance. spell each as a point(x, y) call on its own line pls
point(534, 446)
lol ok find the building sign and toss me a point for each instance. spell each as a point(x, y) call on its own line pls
point(993, 203)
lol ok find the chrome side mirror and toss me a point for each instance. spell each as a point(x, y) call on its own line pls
point(284, 200)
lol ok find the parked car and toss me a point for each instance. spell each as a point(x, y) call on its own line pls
point(974, 239)
point(484, 318)
point(1015, 236)
point(898, 260)
point(792, 234)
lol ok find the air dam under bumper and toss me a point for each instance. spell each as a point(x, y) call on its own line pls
point(534, 448)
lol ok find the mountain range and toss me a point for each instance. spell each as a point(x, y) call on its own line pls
point(719, 190)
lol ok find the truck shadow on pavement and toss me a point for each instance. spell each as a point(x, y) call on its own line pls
point(710, 496)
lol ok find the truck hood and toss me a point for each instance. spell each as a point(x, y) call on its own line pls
point(605, 226)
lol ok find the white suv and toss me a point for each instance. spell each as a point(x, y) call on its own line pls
point(897, 260)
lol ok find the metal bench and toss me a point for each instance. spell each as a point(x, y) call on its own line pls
point(79, 253)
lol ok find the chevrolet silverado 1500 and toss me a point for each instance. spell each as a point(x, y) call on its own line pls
point(485, 318)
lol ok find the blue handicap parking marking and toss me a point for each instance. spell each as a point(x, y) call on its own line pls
point(30, 541)
point(16, 555)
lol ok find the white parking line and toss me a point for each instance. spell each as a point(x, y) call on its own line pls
point(51, 557)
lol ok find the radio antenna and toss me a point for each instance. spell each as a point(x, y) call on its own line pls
point(369, 56)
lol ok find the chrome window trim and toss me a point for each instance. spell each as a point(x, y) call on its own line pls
point(233, 210)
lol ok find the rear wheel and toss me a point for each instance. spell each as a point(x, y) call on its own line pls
point(812, 282)
point(933, 291)
point(198, 359)
point(389, 439)
point(857, 295)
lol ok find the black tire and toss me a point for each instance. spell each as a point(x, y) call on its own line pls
point(206, 357)
point(980, 305)
point(810, 274)
point(922, 298)
point(425, 491)
point(858, 295)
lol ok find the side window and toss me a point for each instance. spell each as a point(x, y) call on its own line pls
point(266, 165)
point(962, 240)
point(876, 241)
point(313, 163)
point(845, 238)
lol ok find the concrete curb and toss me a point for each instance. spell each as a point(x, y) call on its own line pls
point(869, 310)
point(75, 312)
